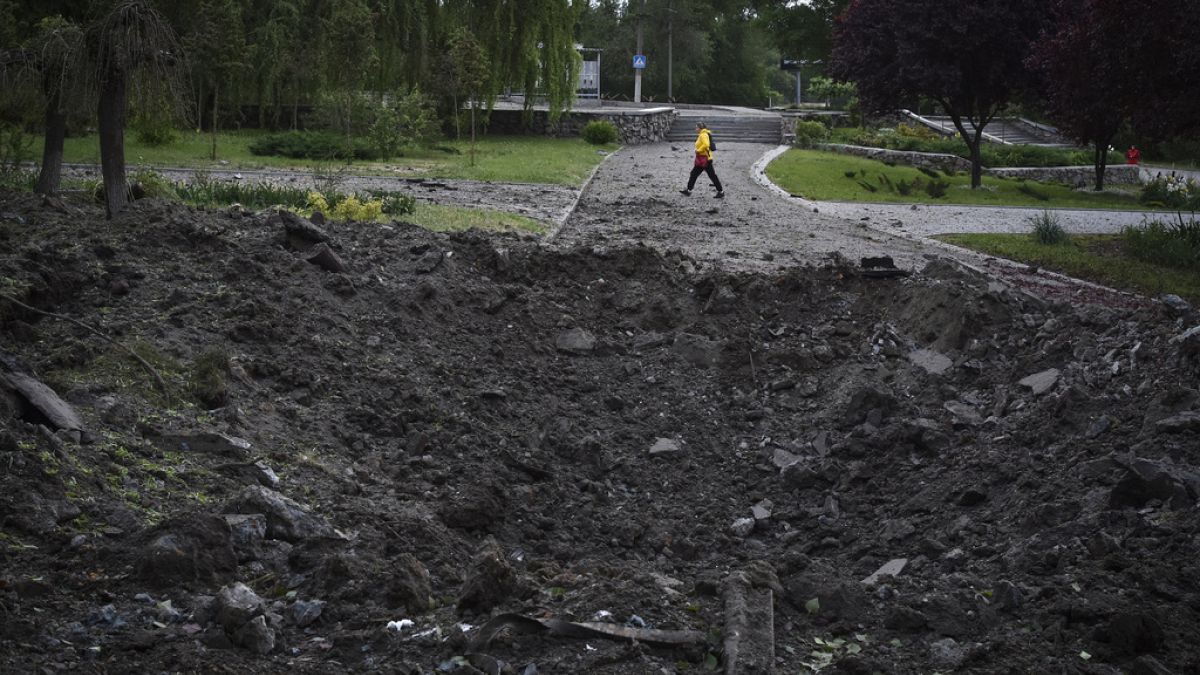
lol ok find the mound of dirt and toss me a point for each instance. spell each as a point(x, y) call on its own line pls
point(470, 453)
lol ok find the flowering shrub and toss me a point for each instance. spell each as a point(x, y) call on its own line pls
point(349, 208)
point(1173, 192)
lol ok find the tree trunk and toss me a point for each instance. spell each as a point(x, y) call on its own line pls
point(1101, 164)
point(216, 90)
point(976, 161)
point(52, 154)
point(472, 131)
point(111, 114)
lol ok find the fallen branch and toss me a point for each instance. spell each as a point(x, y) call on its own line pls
point(162, 384)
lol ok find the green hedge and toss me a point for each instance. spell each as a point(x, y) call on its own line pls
point(321, 145)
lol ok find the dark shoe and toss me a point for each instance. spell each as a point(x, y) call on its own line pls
point(720, 195)
point(686, 193)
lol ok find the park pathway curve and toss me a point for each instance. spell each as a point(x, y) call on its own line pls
point(634, 197)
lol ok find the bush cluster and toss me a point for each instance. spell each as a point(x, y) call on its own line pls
point(600, 132)
point(810, 132)
point(1172, 192)
point(1171, 244)
point(318, 145)
point(1048, 230)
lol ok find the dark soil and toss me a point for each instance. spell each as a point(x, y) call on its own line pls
point(461, 425)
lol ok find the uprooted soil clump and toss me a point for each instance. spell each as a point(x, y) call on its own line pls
point(377, 448)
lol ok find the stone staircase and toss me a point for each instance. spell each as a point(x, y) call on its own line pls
point(729, 129)
point(1009, 130)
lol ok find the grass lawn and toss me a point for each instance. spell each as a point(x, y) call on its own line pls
point(510, 159)
point(821, 176)
point(453, 218)
point(1099, 258)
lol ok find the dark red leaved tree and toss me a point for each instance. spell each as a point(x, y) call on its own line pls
point(968, 56)
point(1107, 63)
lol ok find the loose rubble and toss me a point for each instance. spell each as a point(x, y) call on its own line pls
point(468, 453)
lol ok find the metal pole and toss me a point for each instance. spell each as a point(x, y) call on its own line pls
point(599, 95)
point(797, 87)
point(670, 54)
point(637, 72)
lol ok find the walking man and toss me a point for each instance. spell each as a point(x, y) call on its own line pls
point(704, 162)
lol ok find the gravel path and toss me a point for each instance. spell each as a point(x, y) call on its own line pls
point(634, 197)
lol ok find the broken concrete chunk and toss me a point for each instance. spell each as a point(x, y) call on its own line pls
point(43, 400)
point(762, 510)
point(664, 446)
point(749, 627)
point(237, 604)
point(1040, 383)
point(286, 519)
point(963, 412)
point(782, 458)
point(300, 233)
point(322, 256)
point(742, 527)
point(891, 568)
point(575, 341)
point(1178, 424)
point(934, 363)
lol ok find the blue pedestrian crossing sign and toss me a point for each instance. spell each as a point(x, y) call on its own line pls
point(639, 61)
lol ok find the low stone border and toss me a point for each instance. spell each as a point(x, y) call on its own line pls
point(1075, 176)
point(634, 126)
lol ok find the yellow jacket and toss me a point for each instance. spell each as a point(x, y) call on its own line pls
point(702, 145)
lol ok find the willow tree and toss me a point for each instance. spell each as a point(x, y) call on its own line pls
point(59, 43)
point(132, 47)
point(530, 45)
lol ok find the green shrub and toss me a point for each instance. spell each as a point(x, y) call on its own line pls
point(208, 380)
point(600, 132)
point(318, 145)
point(809, 133)
point(155, 185)
point(932, 173)
point(937, 188)
point(1164, 243)
point(17, 179)
point(850, 173)
point(204, 191)
point(1048, 230)
point(15, 147)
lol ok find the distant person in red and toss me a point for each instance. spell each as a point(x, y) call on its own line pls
point(1133, 155)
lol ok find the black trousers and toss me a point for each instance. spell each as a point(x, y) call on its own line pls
point(712, 175)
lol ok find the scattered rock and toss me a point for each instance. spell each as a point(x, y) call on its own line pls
point(209, 442)
point(322, 256)
point(665, 446)
point(934, 363)
point(1040, 383)
point(305, 612)
point(299, 232)
point(257, 636)
point(490, 582)
point(1135, 632)
point(191, 549)
point(575, 341)
point(286, 519)
point(237, 604)
point(44, 406)
point(742, 527)
point(891, 568)
point(247, 532)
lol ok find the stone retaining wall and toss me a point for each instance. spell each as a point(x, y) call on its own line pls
point(634, 127)
point(1075, 176)
point(920, 160)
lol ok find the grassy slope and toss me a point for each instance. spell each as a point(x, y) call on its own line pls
point(821, 176)
point(1098, 258)
point(515, 159)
